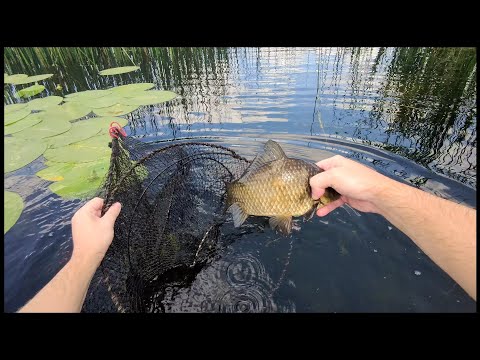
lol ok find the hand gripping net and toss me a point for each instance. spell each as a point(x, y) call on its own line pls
point(173, 208)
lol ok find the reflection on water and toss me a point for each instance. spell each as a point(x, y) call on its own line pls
point(417, 102)
point(408, 112)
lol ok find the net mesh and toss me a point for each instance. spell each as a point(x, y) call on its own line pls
point(173, 209)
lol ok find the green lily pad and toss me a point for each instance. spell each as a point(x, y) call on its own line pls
point(16, 116)
point(80, 130)
point(119, 70)
point(55, 113)
point(19, 152)
point(55, 171)
point(95, 103)
point(31, 91)
point(115, 110)
point(85, 129)
point(107, 120)
point(132, 89)
point(69, 111)
point(151, 97)
point(32, 79)
point(7, 109)
point(76, 110)
point(45, 129)
point(83, 151)
point(44, 103)
point(82, 181)
point(11, 79)
point(23, 124)
point(12, 209)
point(88, 94)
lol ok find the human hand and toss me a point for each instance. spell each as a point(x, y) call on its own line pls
point(93, 234)
point(361, 187)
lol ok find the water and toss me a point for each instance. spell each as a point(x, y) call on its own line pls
point(410, 113)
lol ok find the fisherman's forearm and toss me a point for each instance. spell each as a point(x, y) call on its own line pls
point(67, 290)
point(441, 228)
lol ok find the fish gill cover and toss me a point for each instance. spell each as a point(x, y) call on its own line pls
point(173, 210)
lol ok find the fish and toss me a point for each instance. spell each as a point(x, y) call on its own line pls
point(277, 187)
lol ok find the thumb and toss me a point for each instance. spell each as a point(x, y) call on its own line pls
point(320, 182)
point(111, 215)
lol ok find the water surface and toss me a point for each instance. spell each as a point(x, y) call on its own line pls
point(408, 112)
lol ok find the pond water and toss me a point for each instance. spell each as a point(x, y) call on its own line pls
point(408, 112)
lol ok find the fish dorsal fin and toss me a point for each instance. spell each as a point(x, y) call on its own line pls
point(271, 152)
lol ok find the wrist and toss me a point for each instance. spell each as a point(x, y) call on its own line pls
point(85, 260)
point(392, 195)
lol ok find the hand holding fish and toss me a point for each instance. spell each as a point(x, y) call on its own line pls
point(443, 229)
point(360, 186)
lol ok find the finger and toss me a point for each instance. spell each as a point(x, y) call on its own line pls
point(111, 215)
point(320, 182)
point(325, 210)
point(94, 205)
point(331, 162)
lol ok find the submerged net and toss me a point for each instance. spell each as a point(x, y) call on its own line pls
point(173, 208)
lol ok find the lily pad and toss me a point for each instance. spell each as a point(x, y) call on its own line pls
point(19, 152)
point(32, 79)
point(80, 130)
point(85, 129)
point(119, 70)
point(45, 129)
point(7, 109)
point(15, 116)
point(115, 110)
point(21, 125)
point(95, 103)
point(56, 171)
point(31, 91)
point(151, 97)
point(88, 150)
point(107, 120)
point(55, 113)
point(82, 181)
point(11, 79)
point(69, 111)
point(132, 89)
point(44, 103)
point(12, 209)
point(88, 94)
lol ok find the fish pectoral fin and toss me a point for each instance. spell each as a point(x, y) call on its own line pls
point(271, 152)
point(238, 214)
point(281, 223)
point(309, 214)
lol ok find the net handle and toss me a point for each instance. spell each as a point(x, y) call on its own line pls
point(116, 129)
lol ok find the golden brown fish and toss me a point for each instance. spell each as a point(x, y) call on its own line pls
point(276, 186)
